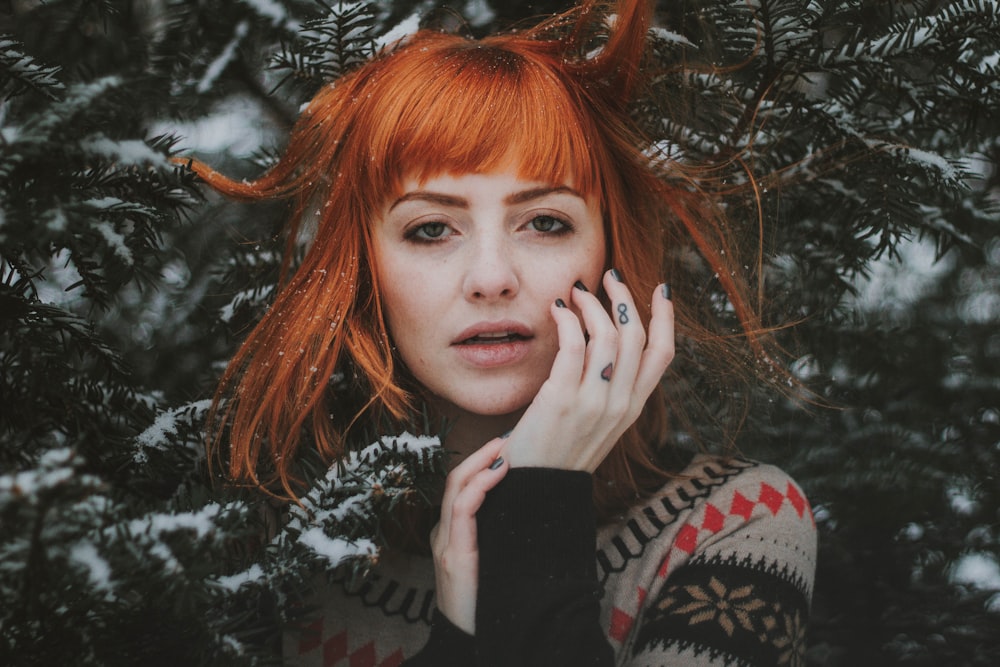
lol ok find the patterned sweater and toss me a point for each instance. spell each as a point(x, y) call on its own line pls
point(715, 569)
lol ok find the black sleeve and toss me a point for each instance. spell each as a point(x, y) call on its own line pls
point(539, 600)
point(447, 646)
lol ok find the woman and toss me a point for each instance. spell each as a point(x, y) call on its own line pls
point(488, 248)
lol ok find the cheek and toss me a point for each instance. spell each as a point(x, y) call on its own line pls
point(408, 305)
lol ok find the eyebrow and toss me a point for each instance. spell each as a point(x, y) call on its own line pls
point(519, 197)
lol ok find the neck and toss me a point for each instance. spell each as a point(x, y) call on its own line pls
point(467, 431)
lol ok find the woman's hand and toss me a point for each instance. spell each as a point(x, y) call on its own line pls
point(453, 539)
point(596, 388)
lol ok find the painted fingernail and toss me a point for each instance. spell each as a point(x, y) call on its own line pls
point(507, 434)
point(496, 463)
point(666, 291)
point(560, 303)
point(617, 276)
point(579, 285)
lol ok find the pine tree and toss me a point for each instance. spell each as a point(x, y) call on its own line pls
point(855, 141)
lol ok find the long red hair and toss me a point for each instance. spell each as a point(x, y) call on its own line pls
point(446, 104)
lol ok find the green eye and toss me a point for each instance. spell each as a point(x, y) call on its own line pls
point(430, 230)
point(546, 223)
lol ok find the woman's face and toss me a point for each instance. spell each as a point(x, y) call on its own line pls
point(469, 268)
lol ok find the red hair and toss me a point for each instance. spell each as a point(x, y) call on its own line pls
point(445, 104)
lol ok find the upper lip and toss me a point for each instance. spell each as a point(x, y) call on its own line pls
point(503, 327)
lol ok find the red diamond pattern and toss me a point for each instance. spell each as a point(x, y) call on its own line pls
point(621, 622)
point(663, 568)
point(311, 637)
point(394, 660)
point(714, 519)
point(687, 538)
point(796, 499)
point(741, 506)
point(771, 497)
point(335, 649)
point(364, 656)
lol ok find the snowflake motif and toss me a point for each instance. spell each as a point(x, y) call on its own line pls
point(792, 643)
point(715, 602)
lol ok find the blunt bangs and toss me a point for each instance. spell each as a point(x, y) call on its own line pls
point(443, 104)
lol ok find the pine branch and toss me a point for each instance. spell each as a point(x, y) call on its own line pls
point(327, 46)
point(19, 72)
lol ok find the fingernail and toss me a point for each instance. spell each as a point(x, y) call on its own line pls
point(579, 285)
point(560, 303)
point(507, 434)
point(617, 276)
point(666, 291)
point(497, 463)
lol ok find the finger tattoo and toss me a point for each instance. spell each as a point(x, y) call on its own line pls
point(622, 313)
point(606, 373)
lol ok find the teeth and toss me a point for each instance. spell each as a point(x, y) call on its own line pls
point(494, 335)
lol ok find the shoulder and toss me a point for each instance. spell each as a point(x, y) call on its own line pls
point(719, 510)
point(736, 553)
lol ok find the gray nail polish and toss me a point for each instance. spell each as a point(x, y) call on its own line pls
point(666, 291)
point(617, 276)
point(497, 463)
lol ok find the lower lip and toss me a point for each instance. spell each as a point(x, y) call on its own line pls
point(488, 355)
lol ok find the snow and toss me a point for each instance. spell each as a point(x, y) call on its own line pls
point(478, 13)
point(922, 36)
point(672, 37)
point(990, 63)
point(201, 522)
point(932, 160)
point(246, 296)
point(98, 570)
point(55, 467)
point(274, 11)
point(128, 152)
point(232, 583)
point(217, 66)
point(896, 285)
point(115, 241)
point(961, 502)
point(159, 434)
point(399, 32)
point(232, 127)
point(335, 550)
point(978, 570)
point(406, 440)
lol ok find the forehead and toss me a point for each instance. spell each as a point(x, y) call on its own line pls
point(462, 113)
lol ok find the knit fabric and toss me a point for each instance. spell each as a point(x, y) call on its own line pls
point(716, 569)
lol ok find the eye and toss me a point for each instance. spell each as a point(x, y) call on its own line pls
point(427, 231)
point(548, 224)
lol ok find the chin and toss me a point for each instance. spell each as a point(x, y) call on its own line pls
point(492, 405)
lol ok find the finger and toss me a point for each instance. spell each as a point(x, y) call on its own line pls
point(567, 367)
point(459, 477)
point(462, 532)
point(631, 332)
point(602, 349)
point(661, 346)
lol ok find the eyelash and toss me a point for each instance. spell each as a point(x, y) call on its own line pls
point(564, 226)
point(414, 233)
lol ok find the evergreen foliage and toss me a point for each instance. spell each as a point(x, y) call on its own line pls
point(855, 141)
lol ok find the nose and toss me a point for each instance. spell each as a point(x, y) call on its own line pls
point(491, 272)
